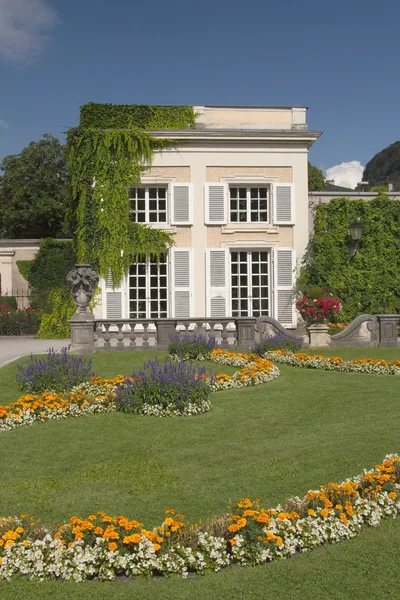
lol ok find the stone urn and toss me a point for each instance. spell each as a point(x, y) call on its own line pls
point(83, 281)
point(318, 335)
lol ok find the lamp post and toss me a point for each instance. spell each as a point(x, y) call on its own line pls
point(355, 231)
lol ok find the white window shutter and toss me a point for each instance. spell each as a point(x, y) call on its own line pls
point(215, 203)
point(217, 283)
point(284, 281)
point(182, 204)
point(182, 282)
point(283, 203)
point(113, 298)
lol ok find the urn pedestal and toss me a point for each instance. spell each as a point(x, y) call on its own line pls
point(318, 336)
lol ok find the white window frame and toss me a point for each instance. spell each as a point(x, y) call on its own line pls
point(146, 187)
point(270, 274)
point(249, 187)
point(148, 290)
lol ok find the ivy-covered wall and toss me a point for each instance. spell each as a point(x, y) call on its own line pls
point(107, 154)
point(370, 281)
point(143, 116)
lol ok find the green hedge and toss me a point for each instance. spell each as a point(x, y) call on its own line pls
point(8, 300)
point(370, 281)
point(49, 290)
point(19, 322)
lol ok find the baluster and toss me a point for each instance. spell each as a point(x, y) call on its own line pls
point(132, 336)
point(107, 335)
point(120, 336)
point(200, 328)
point(145, 337)
point(224, 335)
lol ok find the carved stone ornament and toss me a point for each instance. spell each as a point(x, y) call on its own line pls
point(82, 280)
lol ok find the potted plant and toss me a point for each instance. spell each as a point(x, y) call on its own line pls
point(317, 307)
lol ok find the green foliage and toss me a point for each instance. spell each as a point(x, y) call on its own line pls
point(49, 269)
point(49, 290)
point(384, 166)
point(103, 164)
point(24, 267)
point(10, 301)
point(19, 322)
point(369, 282)
point(55, 324)
point(142, 116)
point(316, 179)
point(34, 191)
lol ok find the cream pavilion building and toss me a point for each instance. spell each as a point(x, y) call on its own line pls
point(234, 194)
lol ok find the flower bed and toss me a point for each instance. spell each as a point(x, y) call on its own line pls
point(335, 363)
point(164, 390)
point(100, 395)
point(255, 370)
point(104, 547)
point(94, 397)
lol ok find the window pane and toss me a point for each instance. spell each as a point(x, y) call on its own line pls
point(233, 192)
point(234, 217)
point(140, 192)
point(242, 192)
point(152, 192)
point(253, 192)
point(153, 217)
point(263, 192)
point(162, 192)
point(243, 217)
point(141, 205)
point(153, 204)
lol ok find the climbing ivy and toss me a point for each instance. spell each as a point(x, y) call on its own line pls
point(107, 154)
point(143, 116)
point(370, 281)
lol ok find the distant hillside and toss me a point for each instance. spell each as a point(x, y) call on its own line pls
point(384, 167)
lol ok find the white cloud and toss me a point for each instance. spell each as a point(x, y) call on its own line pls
point(3, 124)
point(347, 174)
point(24, 27)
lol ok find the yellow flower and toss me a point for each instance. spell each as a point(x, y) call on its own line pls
point(324, 512)
point(311, 512)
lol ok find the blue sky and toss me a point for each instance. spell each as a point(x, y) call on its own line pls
point(339, 58)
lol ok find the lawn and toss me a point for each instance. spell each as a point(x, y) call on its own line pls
point(306, 428)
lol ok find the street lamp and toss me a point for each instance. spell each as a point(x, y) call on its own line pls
point(355, 231)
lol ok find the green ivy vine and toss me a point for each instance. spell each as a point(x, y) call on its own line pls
point(370, 281)
point(107, 154)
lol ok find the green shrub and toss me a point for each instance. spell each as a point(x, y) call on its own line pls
point(55, 325)
point(10, 301)
point(25, 321)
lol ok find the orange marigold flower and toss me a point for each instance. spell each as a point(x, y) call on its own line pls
point(170, 511)
point(311, 512)
point(98, 531)
point(392, 495)
point(324, 512)
point(156, 547)
point(112, 547)
point(232, 542)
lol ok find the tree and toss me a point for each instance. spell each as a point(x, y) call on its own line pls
point(384, 166)
point(34, 191)
point(316, 179)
